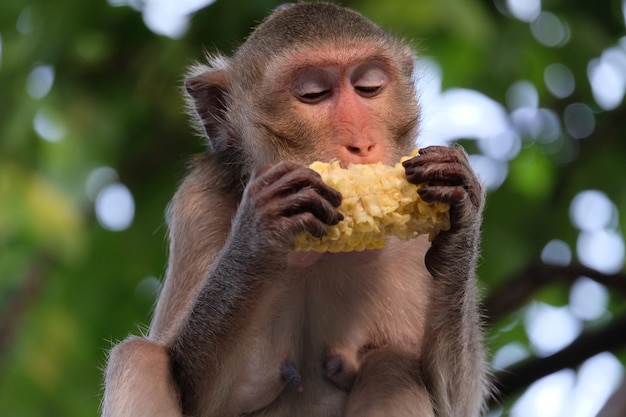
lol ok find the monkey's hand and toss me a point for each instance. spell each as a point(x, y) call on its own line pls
point(450, 179)
point(283, 200)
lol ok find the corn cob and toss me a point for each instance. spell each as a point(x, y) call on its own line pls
point(377, 202)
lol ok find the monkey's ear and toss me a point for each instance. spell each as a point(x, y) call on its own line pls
point(206, 92)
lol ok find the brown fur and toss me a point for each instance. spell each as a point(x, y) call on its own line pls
point(243, 326)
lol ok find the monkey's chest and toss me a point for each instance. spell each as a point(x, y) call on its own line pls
point(306, 349)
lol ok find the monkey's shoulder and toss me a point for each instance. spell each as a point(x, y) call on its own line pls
point(215, 172)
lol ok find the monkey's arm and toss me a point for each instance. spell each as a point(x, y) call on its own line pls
point(277, 204)
point(453, 357)
point(139, 380)
point(225, 258)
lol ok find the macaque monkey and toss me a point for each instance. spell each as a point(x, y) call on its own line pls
point(244, 325)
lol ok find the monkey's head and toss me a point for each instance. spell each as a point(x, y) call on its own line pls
point(307, 87)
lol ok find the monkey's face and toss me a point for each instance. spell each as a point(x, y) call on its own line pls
point(299, 92)
point(352, 103)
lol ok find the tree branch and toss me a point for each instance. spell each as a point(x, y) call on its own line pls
point(516, 290)
point(609, 338)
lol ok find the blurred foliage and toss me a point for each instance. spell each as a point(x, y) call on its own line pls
point(69, 288)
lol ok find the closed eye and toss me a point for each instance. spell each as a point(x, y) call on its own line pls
point(369, 79)
point(368, 91)
point(314, 97)
point(313, 85)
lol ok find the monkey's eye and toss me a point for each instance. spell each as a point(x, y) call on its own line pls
point(312, 90)
point(368, 91)
point(314, 97)
point(369, 79)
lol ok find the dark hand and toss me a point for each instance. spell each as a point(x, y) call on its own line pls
point(450, 179)
point(283, 200)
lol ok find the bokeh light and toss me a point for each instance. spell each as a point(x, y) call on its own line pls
point(600, 245)
point(98, 179)
point(556, 252)
point(550, 328)
point(49, 126)
point(536, 124)
point(522, 94)
point(547, 397)
point(40, 81)
point(490, 172)
point(24, 23)
point(149, 288)
point(115, 207)
point(528, 120)
point(508, 355)
point(572, 394)
point(602, 250)
point(588, 299)
point(560, 80)
point(165, 17)
point(592, 210)
point(579, 120)
point(549, 30)
point(598, 377)
point(524, 10)
point(502, 147)
point(607, 76)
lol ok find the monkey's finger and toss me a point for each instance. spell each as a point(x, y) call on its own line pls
point(328, 193)
point(270, 173)
point(435, 154)
point(460, 199)
point(288, 179)
point(309, 200)
point(443, 194)
point(305, 177)
point(439, 155)
point(437, 173)
point(307, 222)
point(443, 153)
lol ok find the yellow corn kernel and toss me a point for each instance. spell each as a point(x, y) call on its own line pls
point(377, 202)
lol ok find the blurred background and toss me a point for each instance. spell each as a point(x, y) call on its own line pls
point(94, 139)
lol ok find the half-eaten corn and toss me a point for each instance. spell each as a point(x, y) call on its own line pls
point(377, 202)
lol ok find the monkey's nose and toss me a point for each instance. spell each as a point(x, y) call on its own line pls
point(361, 153)
point(362, 150)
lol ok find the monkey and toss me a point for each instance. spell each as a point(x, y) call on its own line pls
point(244, 326)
